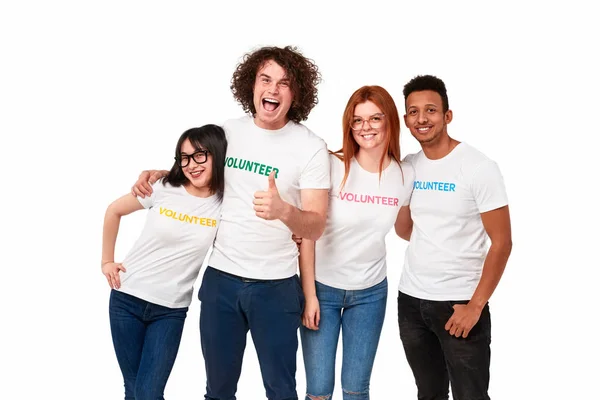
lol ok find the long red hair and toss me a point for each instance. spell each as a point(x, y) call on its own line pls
point(382, 99)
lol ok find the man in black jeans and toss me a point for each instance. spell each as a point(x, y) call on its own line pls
point(449, 274)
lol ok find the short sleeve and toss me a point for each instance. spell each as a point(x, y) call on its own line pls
point(408, 172)
point(148, 201)
point(408, 159)
point(316, 174)
point(488, 188)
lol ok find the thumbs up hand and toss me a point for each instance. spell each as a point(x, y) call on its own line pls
point(269, 205)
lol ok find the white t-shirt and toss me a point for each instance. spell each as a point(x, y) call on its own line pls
point(164, 262)
point(448, 245)
point(247, 245)
point(351, 253)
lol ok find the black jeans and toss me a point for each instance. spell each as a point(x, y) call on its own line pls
point(438, 359)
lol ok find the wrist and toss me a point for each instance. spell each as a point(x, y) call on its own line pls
point(478, 304)
point(104, 262)
point(286, 212)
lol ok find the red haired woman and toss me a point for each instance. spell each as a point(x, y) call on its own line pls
point(369, 186)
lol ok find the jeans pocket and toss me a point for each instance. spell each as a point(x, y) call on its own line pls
point(208, 292)
point(289, 294)
point(301, 298)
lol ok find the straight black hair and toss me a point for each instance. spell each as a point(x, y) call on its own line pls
point(208, 137)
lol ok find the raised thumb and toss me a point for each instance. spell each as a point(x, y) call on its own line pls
point(272, 184)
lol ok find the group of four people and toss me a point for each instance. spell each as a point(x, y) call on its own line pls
point(247, 187)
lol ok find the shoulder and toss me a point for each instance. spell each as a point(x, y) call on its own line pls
point(307, 137)
point(402, 172)
point(336, 166)
point(334, 160)
point(472, 159)
point(407, 170)
point(471, 154)
point(160, 185)
point(235, 124)
point(412, 158)
point(477, 168)
point(161, 188)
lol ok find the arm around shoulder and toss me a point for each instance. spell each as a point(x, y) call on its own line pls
point(404, 223)
point(143, 186)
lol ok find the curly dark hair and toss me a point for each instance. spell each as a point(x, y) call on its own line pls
point(427, 82)
point(302, 72)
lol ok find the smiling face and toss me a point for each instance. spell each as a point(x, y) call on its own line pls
point(198, 175)
point(272, 96)
point(370, 137)
point(425, 117)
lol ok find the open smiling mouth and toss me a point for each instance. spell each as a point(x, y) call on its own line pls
point(270, 104)
point(368, 136)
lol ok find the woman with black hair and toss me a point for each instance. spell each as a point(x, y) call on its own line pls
point(152, 288)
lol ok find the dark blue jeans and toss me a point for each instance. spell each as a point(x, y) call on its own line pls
point(271, 310)
point(146, 338)
point(438, 359)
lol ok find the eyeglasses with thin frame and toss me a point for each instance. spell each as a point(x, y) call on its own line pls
point(199, 157)
point(375, 121)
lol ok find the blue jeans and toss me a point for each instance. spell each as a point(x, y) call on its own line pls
point(270, 310)
point(146, 338)
point(438, 358)
point(360, 315)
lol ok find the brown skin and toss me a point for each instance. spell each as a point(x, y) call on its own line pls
point(404, 223)
point(497, 226)
point(428, 123)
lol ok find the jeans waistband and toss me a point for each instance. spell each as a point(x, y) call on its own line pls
point(250, 280)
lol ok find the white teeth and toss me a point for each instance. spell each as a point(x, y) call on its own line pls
point(271, 101)
point(367, 136)
point(422, 129)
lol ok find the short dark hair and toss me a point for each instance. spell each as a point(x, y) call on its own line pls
point(208, 137)
point(427, 82)
point(302, 72)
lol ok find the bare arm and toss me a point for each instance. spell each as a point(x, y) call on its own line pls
point(143, 186)
point(311, 314)
point(309, 222)
point(497, 226)
point(112, 219)
point(404, 223)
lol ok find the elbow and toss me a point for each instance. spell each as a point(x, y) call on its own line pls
point(318, 231)
point(403, 233)
point(508, 247)
point(400, 233)
point(503, 247)
point(113, 211)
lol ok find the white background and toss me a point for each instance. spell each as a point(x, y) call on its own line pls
point(91, 93)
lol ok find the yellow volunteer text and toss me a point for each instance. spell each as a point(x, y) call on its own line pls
point(190, 219)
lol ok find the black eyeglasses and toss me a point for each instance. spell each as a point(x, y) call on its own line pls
point(199, 157)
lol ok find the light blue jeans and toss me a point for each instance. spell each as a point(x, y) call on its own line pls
point(360, 315)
